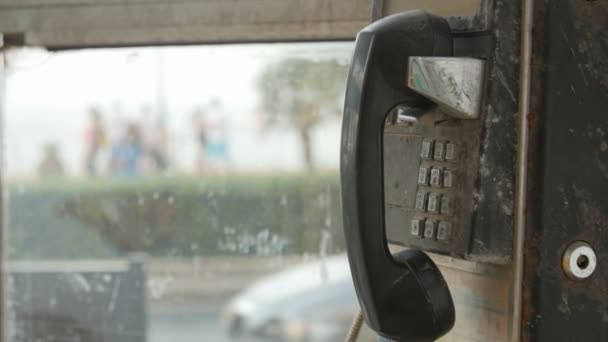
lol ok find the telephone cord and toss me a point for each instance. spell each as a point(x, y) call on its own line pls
point(355, 328)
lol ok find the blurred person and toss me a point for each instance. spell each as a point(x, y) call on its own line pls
point(212, 137)
point(95, 139)
point(217, 144)
point(127, 153)
point(154, 134)
point(201, 136)
point(50, 165)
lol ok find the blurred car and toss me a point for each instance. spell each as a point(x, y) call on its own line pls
point(314, 301)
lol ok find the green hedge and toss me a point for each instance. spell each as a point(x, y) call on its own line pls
point(175, 216)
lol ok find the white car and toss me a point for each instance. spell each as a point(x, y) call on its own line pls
point(314, 301)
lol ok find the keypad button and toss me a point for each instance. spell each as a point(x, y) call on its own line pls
point(448, 178)
point(427, 149)
point(450, 151)
point(433, 205)
point(444, 231)
point(439, 153)
point(436, 177)
point(430, 228)
point(446, 205)
point(417, 227)
point(421, 198)
point(423, 176)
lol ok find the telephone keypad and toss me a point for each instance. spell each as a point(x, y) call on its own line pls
point(429, 182)
point(430, 173)
point(434, 196)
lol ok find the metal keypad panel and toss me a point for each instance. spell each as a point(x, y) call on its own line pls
point(428, 183)
point(433, 177)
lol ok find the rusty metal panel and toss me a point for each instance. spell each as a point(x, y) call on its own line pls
point(568, 197)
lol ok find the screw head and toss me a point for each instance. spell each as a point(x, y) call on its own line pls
point(579, 260)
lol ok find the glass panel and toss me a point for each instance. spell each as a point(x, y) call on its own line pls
point(176, 194)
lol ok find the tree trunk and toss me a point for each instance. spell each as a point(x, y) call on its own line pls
point(306, 141)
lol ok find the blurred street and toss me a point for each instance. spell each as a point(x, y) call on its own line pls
point(190, 294)
point(188, 322)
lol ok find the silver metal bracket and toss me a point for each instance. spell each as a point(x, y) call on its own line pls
point(455, 84)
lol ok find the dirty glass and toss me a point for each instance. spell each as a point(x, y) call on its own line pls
point(175, 194)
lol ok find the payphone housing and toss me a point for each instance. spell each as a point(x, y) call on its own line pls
point(416, 146)
point(434, 163)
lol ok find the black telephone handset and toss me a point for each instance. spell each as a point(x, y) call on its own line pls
point(404, 296)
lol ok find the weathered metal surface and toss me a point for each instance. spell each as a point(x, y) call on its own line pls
point(403, 163)
point(482, 301)
point(137, 22)
point(463, 15)
point(454, 83)
point(492, 236)
point(492, 239)
point(485, 213)
point(483, 293)
point(569, 201)
point(82, 23)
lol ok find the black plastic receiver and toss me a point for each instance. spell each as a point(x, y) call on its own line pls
point(403, 297)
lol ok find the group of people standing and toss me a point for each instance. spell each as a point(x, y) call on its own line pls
point(137, 147)
point(140, 146)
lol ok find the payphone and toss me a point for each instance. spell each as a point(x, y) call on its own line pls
point(483, 142)
point(412, 152)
